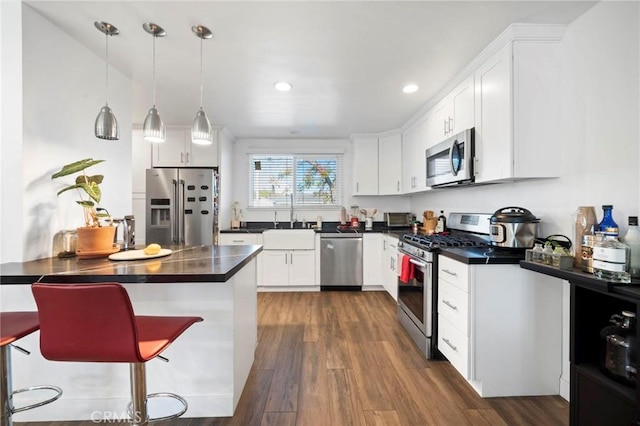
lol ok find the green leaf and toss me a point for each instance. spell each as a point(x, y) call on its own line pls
point(89, 179)
point(93, 190)
point(75, 167)
point(86, 203)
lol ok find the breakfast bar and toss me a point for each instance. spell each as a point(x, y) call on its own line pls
point(209, 366)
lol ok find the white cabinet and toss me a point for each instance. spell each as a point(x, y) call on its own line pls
point(282, 268)
point(454, 113)
point(239, 239)
point(365, 165)
point(371, 260)
point(517, 112)
point(500, 327)
point(141, 161)
point(414, 171)
point(390, 265)
point(390, 164)
point(178, 150)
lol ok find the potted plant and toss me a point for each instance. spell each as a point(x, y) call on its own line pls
point(94, 239)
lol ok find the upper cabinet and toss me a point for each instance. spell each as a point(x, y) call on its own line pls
point(178, 150)
point(414, 144)
point(517, 112)
point(365, 165)
point(390, 164)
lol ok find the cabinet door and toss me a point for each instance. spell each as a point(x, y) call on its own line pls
point(140, 160)
point(439, 125)
point(202, 155)
point(372, 259)
point(171, 152)
point(462, 106)
point(493, 117)
point(275, 267)
point(237, 239)
point(389, 164)
point(302, 267)
point(409, 149)
point(365, 166)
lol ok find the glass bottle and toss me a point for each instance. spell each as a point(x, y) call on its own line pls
point(441, 225)
point(585, 224)
point(547, 254)
point(537, 253)
point(607, 225)
point(611, 260)
point(632, 239)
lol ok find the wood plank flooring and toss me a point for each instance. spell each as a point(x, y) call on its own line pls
point(341, 358)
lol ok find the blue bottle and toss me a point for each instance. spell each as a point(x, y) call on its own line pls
point(607, 225)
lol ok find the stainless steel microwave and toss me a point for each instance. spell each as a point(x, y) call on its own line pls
point(451, 162)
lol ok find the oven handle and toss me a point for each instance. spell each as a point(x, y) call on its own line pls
point(420, 264)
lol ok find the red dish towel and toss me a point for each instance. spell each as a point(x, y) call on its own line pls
point(406, 269)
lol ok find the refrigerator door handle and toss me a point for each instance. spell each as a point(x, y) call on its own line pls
point(174, 221)
point(182, 215)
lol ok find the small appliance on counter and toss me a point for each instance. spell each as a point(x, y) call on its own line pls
point(513, 228)
point(398, 220)
point(618, 354)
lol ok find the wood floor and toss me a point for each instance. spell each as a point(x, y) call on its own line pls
point(341, 358)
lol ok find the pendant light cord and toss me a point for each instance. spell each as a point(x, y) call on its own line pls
point(201, 76)
point(154, 71)
point(106, 90)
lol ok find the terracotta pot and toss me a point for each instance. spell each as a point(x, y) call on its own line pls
point(96, 240)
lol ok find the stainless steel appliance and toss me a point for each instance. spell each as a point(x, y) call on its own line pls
point(514, 228)
point(341, 261)
point(451, 162)
point(181, 206)
point(418, 295)
point(398, 220)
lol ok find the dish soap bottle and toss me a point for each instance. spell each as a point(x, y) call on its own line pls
point(632, 239)
point(441, 225)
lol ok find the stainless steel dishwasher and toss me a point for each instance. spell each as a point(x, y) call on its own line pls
point(340, 261)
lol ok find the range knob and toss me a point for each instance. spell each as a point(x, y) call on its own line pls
point(420, 253)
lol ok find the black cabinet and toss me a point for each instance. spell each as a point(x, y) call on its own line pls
point(596, 398)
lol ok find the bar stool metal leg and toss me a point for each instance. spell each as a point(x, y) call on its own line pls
point(5, 386)
point(139, 415)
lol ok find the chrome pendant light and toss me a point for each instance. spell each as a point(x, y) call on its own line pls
point(153, 129)
point(201, 133)
point(106, 125)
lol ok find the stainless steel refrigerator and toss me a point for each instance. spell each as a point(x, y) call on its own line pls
point(182, 206)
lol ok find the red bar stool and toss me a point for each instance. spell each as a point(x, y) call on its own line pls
point(96, 323)
point(14, 326)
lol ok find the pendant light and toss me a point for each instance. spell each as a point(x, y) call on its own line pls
point(153, 129)
point(106, 125)
point(201, 130)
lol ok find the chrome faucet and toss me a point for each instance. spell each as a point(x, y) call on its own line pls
point(291, 219)
point(275, 219)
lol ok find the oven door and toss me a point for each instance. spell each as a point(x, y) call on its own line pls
point(415, 295)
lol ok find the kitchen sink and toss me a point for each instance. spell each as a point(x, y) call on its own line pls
point(289, 239)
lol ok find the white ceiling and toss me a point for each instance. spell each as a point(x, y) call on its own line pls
point(347, 61)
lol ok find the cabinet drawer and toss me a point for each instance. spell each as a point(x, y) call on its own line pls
point(233, 239)
point(453, 304)
point(454, 345)
point(454, 272)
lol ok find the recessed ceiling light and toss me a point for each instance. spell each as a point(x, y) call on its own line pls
point(410, 88)
point(283, 86)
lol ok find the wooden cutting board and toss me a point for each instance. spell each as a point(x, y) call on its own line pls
point(138, 255)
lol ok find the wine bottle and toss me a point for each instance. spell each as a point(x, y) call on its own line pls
point(441, 225)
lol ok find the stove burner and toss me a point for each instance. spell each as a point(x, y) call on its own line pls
point(436, 241)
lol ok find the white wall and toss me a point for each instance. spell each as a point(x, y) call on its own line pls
point(63, 91)
point(11, 208)
point(599, 140)
point(241, 180)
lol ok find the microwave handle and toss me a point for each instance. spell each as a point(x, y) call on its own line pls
point(454, 145)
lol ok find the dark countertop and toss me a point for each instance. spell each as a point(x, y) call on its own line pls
point(481, 256)
point(585, 279)
point(327, 227)
point(185, 264)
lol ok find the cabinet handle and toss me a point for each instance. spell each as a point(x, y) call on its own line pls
point(187, 155)
point(238, 241)
point(292, 258)
point(451, 124)
point(398, 186)
point(445, 127)
point(449, 272)
point(285, 259)
point(182, 157)
point(446, 302)
point(357, 186)
point(449, 343)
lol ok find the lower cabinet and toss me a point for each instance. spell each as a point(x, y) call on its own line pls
point(500, 326)
point(390, 265)
point(239, 239)
point(281, 268)
point(371, 256)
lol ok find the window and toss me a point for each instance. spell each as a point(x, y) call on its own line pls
point(314, 180)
